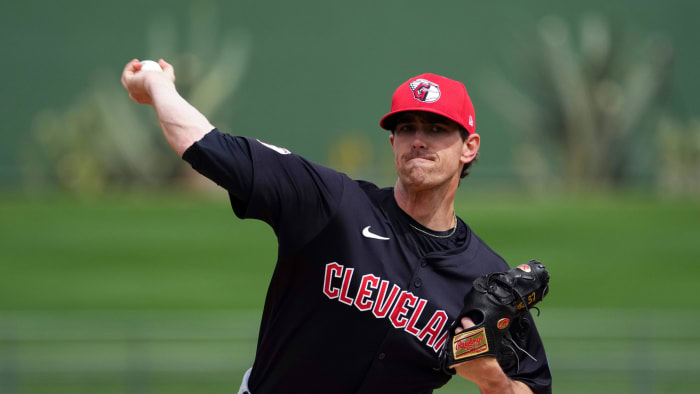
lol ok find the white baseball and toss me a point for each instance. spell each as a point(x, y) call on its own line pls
point(150, 65)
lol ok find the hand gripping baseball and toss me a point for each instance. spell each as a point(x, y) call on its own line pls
point(496, 305)
point(138, 78)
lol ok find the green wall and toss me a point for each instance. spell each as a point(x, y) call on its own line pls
point(318, 69)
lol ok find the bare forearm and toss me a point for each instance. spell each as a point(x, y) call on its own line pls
point(507, 386)
point(488, 375)
point(182, 124)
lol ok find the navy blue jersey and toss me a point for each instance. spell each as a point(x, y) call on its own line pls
point(360, 300)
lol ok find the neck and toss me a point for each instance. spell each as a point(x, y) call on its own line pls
point(433, 208)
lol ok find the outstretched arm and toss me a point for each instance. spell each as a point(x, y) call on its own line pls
point(182, 124)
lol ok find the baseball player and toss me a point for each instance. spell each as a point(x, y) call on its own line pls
point(368, 280)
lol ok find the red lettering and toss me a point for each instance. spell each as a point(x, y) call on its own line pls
point(441, 342)
point(403, 308)
point(332, 270)
point(469, 344)
point(346, 285)
point(434, 326)
point(383, 303)
point(411, 327)
point(400, 309)
point(369, 281)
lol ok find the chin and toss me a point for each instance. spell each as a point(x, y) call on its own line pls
point(418, 180)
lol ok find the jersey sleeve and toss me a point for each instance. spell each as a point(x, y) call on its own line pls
point(225, 160)
point(294, 196)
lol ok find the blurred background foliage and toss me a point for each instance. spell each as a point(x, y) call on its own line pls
point(568, 98)
point(102, 143)
point(118, 276)
point(588, 94)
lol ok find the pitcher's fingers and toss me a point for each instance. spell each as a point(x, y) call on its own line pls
point(167, 67)
point(133, 66)
point(467, 322)
point(129, 71)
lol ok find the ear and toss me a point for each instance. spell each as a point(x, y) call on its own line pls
point(391, 139)
point(470, 148)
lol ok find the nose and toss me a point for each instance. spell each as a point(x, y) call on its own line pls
point(419, 139)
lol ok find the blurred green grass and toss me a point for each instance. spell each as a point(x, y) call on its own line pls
point(132, 252)
point(179, 251)
point(156, 293)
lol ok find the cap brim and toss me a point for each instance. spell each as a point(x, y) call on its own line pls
point(387, 124)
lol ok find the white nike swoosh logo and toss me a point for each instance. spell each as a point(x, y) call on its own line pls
point(368, 234)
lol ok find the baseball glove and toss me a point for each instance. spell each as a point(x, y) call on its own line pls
point(497, 305)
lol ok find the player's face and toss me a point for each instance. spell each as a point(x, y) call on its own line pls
point(429, 150)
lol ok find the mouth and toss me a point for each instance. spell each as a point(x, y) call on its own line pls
point(419, 160)
point(419, 156)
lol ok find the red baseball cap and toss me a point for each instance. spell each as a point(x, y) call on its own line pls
point(432, 93)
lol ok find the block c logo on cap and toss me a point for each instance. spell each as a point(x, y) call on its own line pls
point(424, 90)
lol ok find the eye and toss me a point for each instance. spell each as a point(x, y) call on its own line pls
point(437, 128)
point(404, 127)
